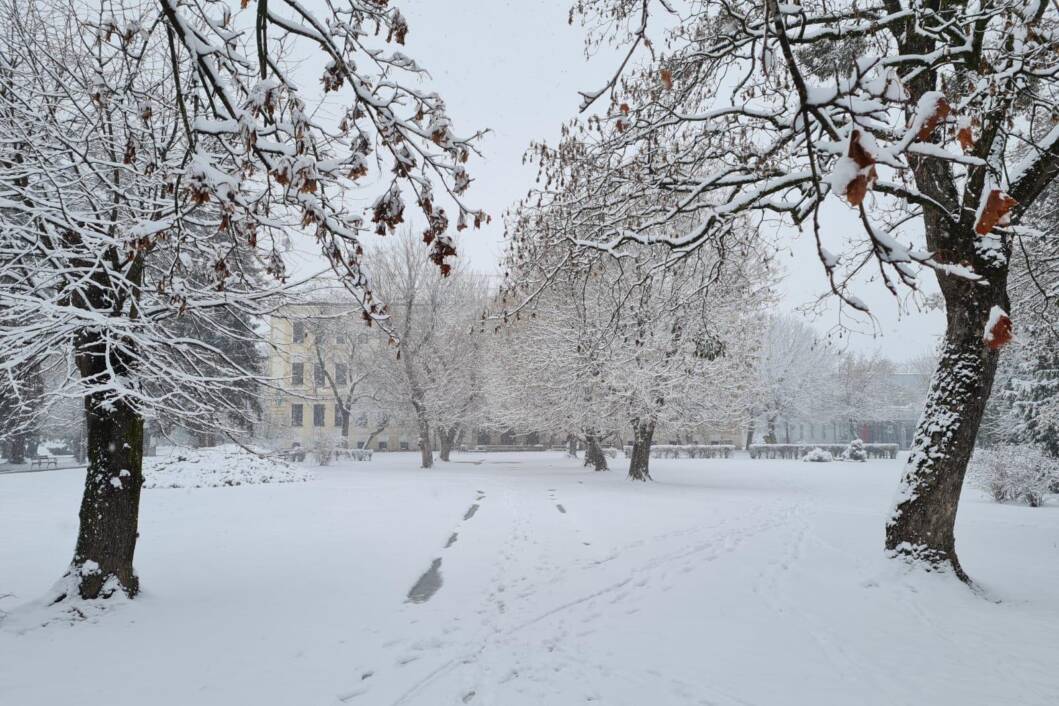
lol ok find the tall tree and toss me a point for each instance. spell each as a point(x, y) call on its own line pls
point(792, 377)
point(931, 121)
point(139, 138)
point(431, 319)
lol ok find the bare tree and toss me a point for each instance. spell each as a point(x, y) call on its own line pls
point(792, 375)
point(932, 121)
point(433, 374)
point(144, 144)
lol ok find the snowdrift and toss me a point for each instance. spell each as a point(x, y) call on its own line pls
point(220, 466)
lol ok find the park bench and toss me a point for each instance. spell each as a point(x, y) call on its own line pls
point(43, 462)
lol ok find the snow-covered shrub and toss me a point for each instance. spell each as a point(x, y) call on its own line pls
point(856, 451)
point(218, 466)
point(324, 450)
point(818, 455)
point(794, 451)
point(1014, 473)
point(687, 450)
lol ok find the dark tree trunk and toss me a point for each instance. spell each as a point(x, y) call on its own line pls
point(770, 431)
point(426, 449)
point(594, 455)
point(750, 433)
point(639, 464)
point(375, 433)
point(921, 527)
point(345, 423)
point(571, 446)
point(447, 438)
point(106, 540)
point(17, 447)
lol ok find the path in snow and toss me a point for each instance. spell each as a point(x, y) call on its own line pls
point(533, 581)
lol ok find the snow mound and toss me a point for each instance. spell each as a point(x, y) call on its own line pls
point(818, 455)
point(217, 467)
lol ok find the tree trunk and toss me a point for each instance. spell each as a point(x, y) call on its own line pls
point(921, 527)
point(749, 433)
point(571, 446)
point(643, 435)
point(770, 432)
point(426, 450)
point(345, 423)
point(447, 439)
point(594, 455)
point(375, 433)
point(17, 447)
point(106, 540)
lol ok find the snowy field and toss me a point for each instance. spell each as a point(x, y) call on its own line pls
point(726, 582)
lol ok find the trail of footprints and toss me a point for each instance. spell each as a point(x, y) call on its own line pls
point(575, 618)
point(430, 581)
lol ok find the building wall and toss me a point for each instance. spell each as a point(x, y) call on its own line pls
point(281, 428)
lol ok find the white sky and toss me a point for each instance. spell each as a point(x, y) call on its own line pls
point(515, 67)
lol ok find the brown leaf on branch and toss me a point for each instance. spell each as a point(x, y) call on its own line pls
point(858, 188)
point(966, 138)
point(995, 212)
point(941, 111)
point(857, 152)
point(667, 78)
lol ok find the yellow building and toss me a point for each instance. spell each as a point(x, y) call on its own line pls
point(302, 406)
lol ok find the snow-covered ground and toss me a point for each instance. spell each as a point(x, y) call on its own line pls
point(727, 582)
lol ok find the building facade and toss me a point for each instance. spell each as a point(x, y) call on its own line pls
point(307, 366)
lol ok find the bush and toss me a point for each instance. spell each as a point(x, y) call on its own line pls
point(818, 455)
point(324, 450)
point(856, 451)
point(1014, 473)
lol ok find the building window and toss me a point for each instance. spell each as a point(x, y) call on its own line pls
point(297, 374)
point(382, 446)
point(362, 420)
point(319, 412)
point(295, 415)
point(404, 446)
point(340, 373)
point(338, 415)
point(299, 331)
point(318, 374)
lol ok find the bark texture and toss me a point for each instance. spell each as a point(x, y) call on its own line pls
point(109, 517)
point(594, 455)
point(447, 439)
point(922, 525)
point(639, 464)
point(426, 449)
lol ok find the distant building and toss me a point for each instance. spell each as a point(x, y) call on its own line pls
point(302, 406)
point(892, 423)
